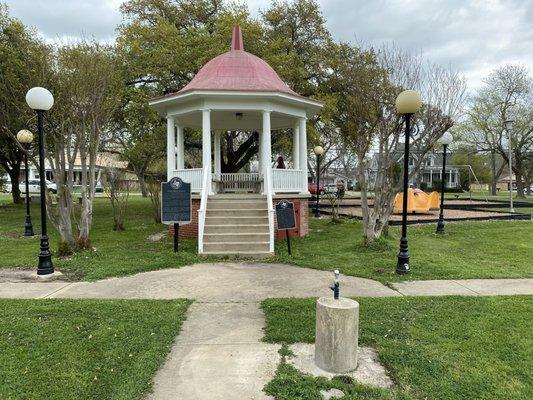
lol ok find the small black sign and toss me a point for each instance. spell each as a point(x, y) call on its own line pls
point(285, 215)
point(176, 202)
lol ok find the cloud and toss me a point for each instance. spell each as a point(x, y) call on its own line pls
point(58, 19)
point(472, 36)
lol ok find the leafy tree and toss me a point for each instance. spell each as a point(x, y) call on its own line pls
point(85, 86)
point(23, 64)
point(479, 163)
point(507, 94)
point(367, 83)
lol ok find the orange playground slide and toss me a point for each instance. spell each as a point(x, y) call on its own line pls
point(417, 201)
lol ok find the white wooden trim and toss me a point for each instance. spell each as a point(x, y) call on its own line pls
point(206, 188)
point(180, 146)
point(192, 176)
point(303, 154)
point(268, 190)
point(287, 180)
point(171, 144)
point(296, 145)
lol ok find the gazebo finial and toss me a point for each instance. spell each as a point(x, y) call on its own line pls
point(236, 39)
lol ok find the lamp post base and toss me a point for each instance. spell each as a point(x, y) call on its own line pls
point(403, 267)
point(440, 226)
point(45, 266)
point(28, 227)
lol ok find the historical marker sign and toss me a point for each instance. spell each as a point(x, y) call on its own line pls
point(176, 203)
point(285, 215)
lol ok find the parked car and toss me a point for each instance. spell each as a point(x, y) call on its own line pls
point(312, 188)
point(34, 186)
point(331, 188)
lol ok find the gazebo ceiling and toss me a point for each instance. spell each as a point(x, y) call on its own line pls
point(236, 120)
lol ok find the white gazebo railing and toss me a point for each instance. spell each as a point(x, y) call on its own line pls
point(206, 188)
point(239, 182)
point(269, 190)
point(192, 176)
point(287, 180)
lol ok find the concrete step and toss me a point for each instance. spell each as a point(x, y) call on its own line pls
point(236, 237)
point(245, 212)
point(233, 247)
point(245, 254)
point(240, 196)
point(229, 229)
point(233, 220)
point(236, 204)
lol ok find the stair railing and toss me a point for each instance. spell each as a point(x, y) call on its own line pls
point(269, 191)
point(206, 183)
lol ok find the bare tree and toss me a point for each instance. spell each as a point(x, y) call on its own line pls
point(85, 100)
point(117, 188)
point(369, 83)
point(506, 95)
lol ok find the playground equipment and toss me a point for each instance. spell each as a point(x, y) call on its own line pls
point(417, 201)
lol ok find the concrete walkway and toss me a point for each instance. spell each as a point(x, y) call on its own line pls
point(466, 287)
point(219, 354)
point(237, 282)
point(222, 282)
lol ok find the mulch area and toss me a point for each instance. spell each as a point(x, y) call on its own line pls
point(431, 215)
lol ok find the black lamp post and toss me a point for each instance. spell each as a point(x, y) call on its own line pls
point(25, 137)
point(41, 100)
point(508, 127)
point(319, 150)
point(408, 102)
point(445, 140)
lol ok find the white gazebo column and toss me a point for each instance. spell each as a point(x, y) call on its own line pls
point(303, 153)
point(180, 147)
point(296, 145)
point(206, 139)
point(266, 158)
point(171, 148)
point(218, 165)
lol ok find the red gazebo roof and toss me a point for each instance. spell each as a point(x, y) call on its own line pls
point(237, 70)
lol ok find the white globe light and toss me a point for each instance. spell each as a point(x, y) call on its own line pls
point(319, 150)
point(24, 136)
point(408, 102)
point(39, 98)
point(445, 139)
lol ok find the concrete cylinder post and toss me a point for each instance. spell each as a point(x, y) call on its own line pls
point(337, 334)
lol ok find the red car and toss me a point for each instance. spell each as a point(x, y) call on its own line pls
point(312, 188)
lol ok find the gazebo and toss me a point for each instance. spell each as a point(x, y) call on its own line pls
point(237, 91)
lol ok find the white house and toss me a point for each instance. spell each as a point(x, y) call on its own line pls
point(238, 91)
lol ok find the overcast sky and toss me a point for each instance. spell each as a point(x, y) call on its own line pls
point(473, 36)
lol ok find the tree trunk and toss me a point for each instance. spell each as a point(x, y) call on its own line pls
point(494, 180)
point(519, 186)
point(142, 183)
point(14, 175)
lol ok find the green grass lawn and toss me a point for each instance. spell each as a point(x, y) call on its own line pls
point(84, 349)
point(115, 254)
point(445, 348)
point(494, 249)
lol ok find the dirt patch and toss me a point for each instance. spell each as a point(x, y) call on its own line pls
point(429, 216)
point(29, 275)
point(156, 237)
